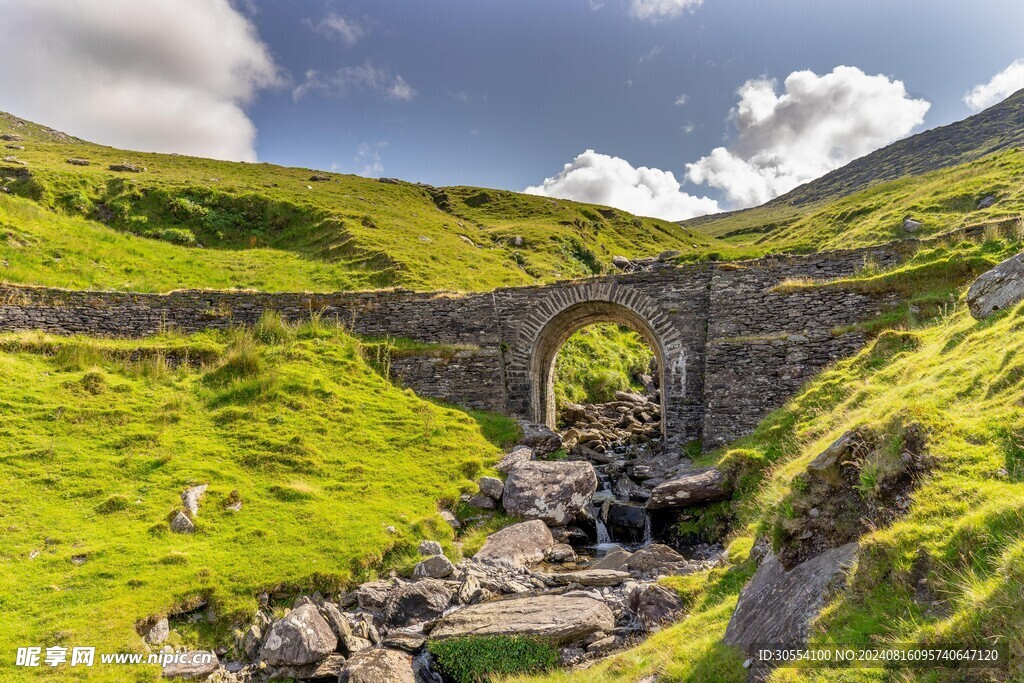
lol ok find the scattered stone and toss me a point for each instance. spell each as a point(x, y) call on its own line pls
point(127, 168)
point(482, 501)
point(156, 632)
point(997, 289)
point(233, 501)
point(191, 497)
point(518, 544)
point(11, 137)
point(910, 225)
point(668, 255)
point(78, 162)
point(20, 148)
point(301, 637)
point(553, 492)
point(621, 262)
point(470, 591)
point(986, 202)
point(430, 548)
point(336, 620)
point(449, 517)
point(389, 181)
point(378, 666)
point(540, 438)
point(436, 567)
point(319, 177)
point(616, 559)
point(182, 524)
point(558, 618)
point(587, 577)
point(656, 559)
point(518, 241)
point(561, 553)
point(194, 664)
point(492, 487)
point(405, 639)
point(700, 486)
point(514, 457)
point(371, 595)
point(417, 602)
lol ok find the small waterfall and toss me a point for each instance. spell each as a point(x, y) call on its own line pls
point(647, 531)
point(603, 537)
point(423, 668)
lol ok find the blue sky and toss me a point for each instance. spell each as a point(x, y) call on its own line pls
point(504, 93)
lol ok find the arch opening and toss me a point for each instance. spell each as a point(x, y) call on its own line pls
point(562, 327)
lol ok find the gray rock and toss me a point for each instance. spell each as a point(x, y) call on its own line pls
point(997, 289)
point(492, 487)
point(430, 548)
point(540, 438)
point(777, 606)
point(700, 486)
point(558, 618)
point(378, 666)
point(449, 517)
point(78, 162)
point(336, 620)
point(910, 225)
point(301, 637)
point(616, 558)
point(436, 567)
point(373, 594)
point(656, 560)
point(194, 664)
point(190, 497)
point(126, 167)
point(621, 262)
point(417, 602)
point(586, 577)
point(553, 492)
point(329, 668)
point(519, 544)
point(986, 202)
point(410, 640)
point(514, 457)
point(157, 632)
point(470, 591)
point(182, 524)
point(561, 553)
point(484, 502)
point(835, 453)
point(655, 606)
point(668, 255)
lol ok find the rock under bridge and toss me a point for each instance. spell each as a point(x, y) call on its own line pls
point(729, 347)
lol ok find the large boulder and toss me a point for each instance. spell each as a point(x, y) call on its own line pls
point(327, 669)
point(553, 492)
point(417, 602)
point(378, 666)
point(301, 637)
point(997, 289)
point(519, 544)
point(777, 606)
point(540, 438)
point(195, 664)
point(655, 606)
point(436, 567)
point(700, 486)
point(514, 457)
point(558, 618)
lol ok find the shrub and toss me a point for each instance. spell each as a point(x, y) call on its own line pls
point(116, 503)
point(271, 328)
point(474, 659)
point(185, 209)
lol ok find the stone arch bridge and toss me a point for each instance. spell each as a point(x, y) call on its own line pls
point(729, 348)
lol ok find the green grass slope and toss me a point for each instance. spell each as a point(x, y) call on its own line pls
point(99, 438)
point(952, 569)
point(190, 222)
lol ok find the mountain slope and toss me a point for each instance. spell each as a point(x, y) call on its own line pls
point(190, 222)
point(998, 128)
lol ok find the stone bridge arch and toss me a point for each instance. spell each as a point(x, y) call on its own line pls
point(560, 313)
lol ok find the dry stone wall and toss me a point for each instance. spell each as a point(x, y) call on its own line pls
point(731, 348)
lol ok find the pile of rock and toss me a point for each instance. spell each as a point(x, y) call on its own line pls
point(371, 634)
point(595, 429)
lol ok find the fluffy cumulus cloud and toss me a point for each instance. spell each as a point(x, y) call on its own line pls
point(817, 124)
point(141, 74)
point(1002, 85)
point(654, 10)
point(366, 76)
point(602, 179)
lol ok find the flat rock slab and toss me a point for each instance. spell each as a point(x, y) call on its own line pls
point(519, 544)
point(197, 664)
point(586, 577)
point(558, 618)
point(778, 606)
point(700, 486)
point(997, 289)
point(553, 492)
point(378, 666)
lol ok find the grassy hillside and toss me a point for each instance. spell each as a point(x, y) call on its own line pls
point(190, 222)
point(951, 569)
point(599, 360)
point(99, 438)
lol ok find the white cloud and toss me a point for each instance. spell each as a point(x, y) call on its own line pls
point(687, 128)
point(365, 76)
point(368, 159)
point(151, 76)
point(681, 100)
point(459, 96)
point(1002, 85)
point(653, 10)
point(819, 123)
point(346, 29)
point(601, 179)
point(650, 54)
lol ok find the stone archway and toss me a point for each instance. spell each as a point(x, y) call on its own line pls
point(566, 323)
